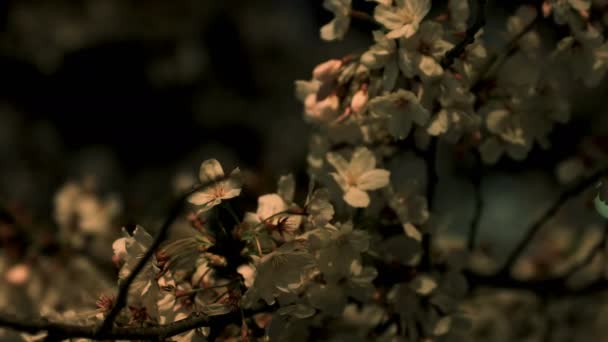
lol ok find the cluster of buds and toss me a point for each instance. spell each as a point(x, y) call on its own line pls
point(325, 93)
point(324, 104)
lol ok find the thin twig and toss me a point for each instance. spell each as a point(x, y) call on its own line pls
point(469, 38)
point(547, 215)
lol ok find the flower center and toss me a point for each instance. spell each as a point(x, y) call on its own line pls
point(219, 190)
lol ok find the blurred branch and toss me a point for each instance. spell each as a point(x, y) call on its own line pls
point(476, 180)
point(470, 33)
point(590, 255)
point(498, 58)
point(431, 185)
point(547, 215)
point(556, 286)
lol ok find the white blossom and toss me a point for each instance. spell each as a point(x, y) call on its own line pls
point(358, 176)
point(404, 19)
point(420, 55)
point(401, 108)
point(216, 188)
point(337, 28)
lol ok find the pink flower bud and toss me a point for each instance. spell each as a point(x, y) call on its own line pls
point(18, 274)
point(327, 71)
point(322, 111)
point(359, 100)
point(547, 8)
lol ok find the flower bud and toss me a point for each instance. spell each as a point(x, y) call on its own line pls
point(327, 71)
point(18, 274)
point(321, 111)
point(547, 8)
point(359, 100)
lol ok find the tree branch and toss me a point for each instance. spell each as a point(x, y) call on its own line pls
point(123, 291)
point(431, 185)
point(61, 330)
point(470, 33)
point(547, 215)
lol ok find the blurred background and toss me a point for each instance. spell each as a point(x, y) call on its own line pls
point(139, 94)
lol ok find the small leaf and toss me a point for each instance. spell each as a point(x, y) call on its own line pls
point(600, 206)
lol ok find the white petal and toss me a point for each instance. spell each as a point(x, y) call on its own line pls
point(356, 198)
point(201, 197)
point(439, 125)
point(210, 170)
point(269, 205)
point(340, 180)
point(373, 179)
point(335, 29)
point(231, 193)
point(362, 160)
point(386, 16)
point(429, 67)
point(286, 187)
point(338, 162)
point(403, 31)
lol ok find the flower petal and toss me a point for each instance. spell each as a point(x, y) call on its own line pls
point(201, 197)
point(210, 170)
point(356, 198)
point(362, 160)
point(269, 205)
point(387, 16)
point(338, 162)
point(373, 179)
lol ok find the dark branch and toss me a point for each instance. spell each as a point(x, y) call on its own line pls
point(62, 331)
point(556, 286)
point(431, 185)
point(469, 38)
point(547, 215)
